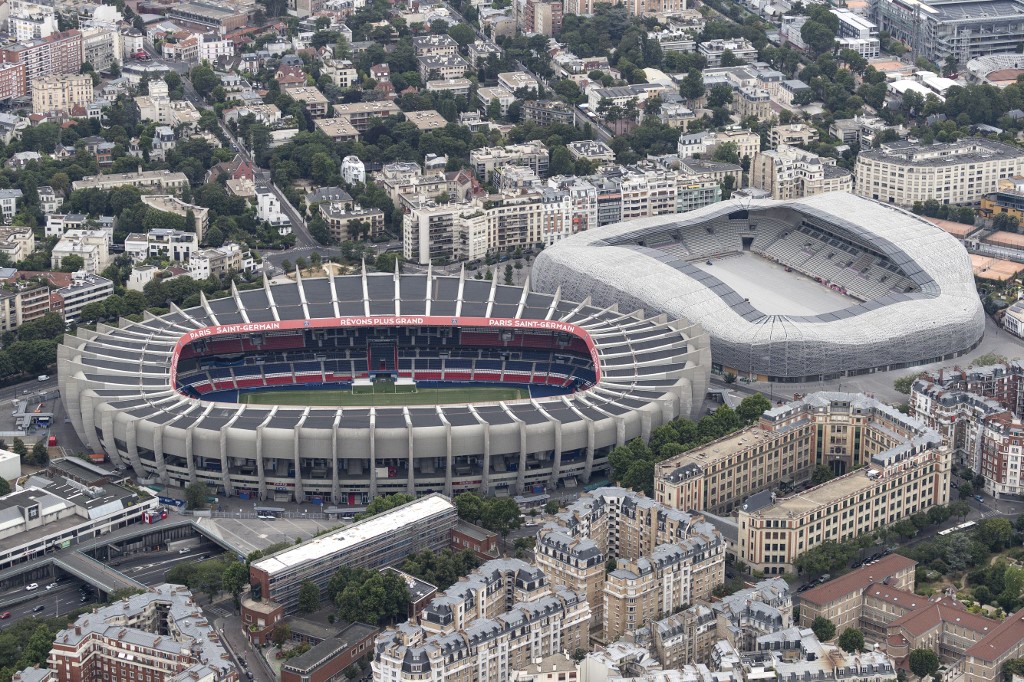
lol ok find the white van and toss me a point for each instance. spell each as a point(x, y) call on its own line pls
point(43, 377)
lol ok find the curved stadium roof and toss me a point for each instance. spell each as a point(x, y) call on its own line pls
point(938, 315)
point(128, 370)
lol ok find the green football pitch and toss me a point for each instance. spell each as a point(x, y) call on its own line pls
point(384, 396)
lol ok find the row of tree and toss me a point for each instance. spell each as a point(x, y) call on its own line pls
point(632, 465)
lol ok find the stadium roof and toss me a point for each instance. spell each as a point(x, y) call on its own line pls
point(933, 313)
point(640, 358)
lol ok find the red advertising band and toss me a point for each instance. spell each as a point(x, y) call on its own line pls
point(386, 321)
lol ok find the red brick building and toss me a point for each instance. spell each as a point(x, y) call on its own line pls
point(12, 81)
point(155, 636)
point(480, 541)
point(327, 660)
point(53, 55)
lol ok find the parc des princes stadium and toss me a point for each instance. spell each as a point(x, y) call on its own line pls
point(798, 290)
point(341, 388)
point(513, 389)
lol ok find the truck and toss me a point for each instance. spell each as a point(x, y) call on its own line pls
point(98, 457)
point(154, 516)
point(51, 442)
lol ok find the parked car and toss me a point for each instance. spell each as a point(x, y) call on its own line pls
point(979, 498)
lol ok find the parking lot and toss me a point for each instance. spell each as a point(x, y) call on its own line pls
point(252, 534)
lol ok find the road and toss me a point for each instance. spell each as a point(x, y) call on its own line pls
point(303, 238)
point(66, 597)
point(150, 567)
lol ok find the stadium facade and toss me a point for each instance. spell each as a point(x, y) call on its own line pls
point(902, 290)
point(166, 396)
point(961, 29)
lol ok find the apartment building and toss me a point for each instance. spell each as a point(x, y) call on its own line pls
point(57, 53)
point(977, 412)
point(747, 143)
point(12, 81)
point(379, 541)
point(17, 242)
point(439, 45)
point(503, 96)
point(92, 246)
point(342, 72)
point(531, 154)
point(157, 182)
point(879, 600)
point(83, 290)
point(985, 660)
point(895, 485)
point(792, 135)
point(61, 93)
point(648, 192)
point(29, 21)
point(546, 112)
point(839, 430)
point(741, 48)
point(428, 231)
point(500, 618)
point(458, 87)
point(346, 221)
point(514, 80)
point(665, 558)
point(442, 67)
point(22, 303)
point(338, 129)
point(753, 102)
point(696, 192)
point(590, 150)
point(359, 114)
point(312, 99)
point(162, 244)
point(172, 204)
point(220, 261)
point(9, 203)
point(792, 173)
point(159, 634)
point(960, 172)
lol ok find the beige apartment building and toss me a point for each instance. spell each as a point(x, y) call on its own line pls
point(895, 485)
point(531, 154)
point(359, 114)
point(61, 92)
point(960, 172)
point(665, 558)
point(500, 618)
point(794, 135)
point(899, 467)
point(17, 242)
point(792, 173)
point(21, 303)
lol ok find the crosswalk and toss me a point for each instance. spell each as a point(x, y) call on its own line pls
point(218, 611)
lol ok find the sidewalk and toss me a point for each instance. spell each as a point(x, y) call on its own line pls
point(230, 629)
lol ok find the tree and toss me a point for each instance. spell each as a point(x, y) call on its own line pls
point(5, 487)
point(71, 263)
point(382, 504)
point(822, 474)
point(692, 87)
point(904, 384)
point(752, 407)
point(959, 509)
point(551, 507)
point(204, 80)
point(561, 162)
point(719, 95)
point(39, 455)
point(281, 635)
point(996, 534)
point(501, 515)
point(463, 34)
point(823, 628)
point(196, 495)
point(18, 447)
point(923, 662)
point(309, 597)
point(235, 578)
point(851, 641)
point(966, 490)
point(508, 273)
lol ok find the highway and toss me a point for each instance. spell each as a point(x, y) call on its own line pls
point(67, 596)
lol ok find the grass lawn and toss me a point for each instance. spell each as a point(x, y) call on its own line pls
point(344, 398)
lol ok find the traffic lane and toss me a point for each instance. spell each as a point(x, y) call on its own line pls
point(55, 602)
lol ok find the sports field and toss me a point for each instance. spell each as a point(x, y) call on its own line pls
point(385, 398)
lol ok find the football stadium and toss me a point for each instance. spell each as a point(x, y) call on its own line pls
point(339, 389)
point(790, 291)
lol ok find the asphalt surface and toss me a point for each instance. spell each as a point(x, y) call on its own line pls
point(67, 596)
